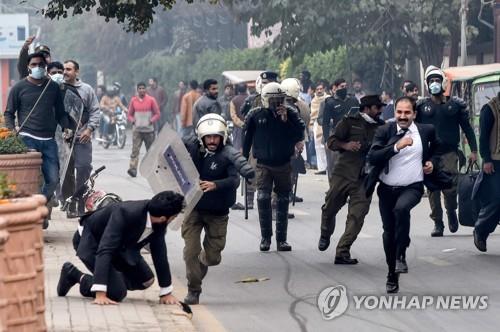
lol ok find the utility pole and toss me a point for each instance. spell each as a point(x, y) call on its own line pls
point(463, 32)
point(496, 34)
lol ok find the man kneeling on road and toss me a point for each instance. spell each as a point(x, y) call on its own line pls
point(109, 242)
point(218, 165)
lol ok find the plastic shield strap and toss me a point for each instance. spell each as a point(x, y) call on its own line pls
point(168, 166)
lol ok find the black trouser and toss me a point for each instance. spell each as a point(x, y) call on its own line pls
point(81, 161)
point(395, 204)
point(489, 197)
point(280, 178)
point(122, 276)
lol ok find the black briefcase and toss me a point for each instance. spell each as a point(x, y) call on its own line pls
point(468, 208)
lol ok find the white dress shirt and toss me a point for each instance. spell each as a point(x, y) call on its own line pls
point(405, 167)
point(147, 231)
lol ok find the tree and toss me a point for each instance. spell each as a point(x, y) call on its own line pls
point(413, 27)
point(137, 15)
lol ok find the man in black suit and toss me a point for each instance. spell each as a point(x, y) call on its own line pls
point(400, 157)
point(109, 241)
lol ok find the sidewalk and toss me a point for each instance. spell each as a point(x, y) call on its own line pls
point(139, 312)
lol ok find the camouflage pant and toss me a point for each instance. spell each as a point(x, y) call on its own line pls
point(137, 139)
point(215, 228)
point(448, 162)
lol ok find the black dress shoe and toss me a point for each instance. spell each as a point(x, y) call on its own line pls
point(324, 243)
point(283, 246)
point(438, 230)
point(132, 172)
point(345, 260)
point(392, 284)
point(291, 215)
point(70, 275)
point(479, 243)
point(401, 266)
point(298, 199)
point(452, 221)
point(320, 173)
point(238, 206)
point(192, 297)
point(265, 244)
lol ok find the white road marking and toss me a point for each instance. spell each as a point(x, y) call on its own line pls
point(434, 260)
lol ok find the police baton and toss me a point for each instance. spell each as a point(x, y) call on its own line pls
point(246, 201)
point(295, 189)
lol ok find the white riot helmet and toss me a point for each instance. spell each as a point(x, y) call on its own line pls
point(271, 90)
point(212, 124)
point(435, 71)
point(291, 87)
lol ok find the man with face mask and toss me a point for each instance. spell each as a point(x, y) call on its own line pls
point(81, 158)
point(218, 165)
point(37, 122)
point(272, 131)
point(352, 138)
point(336, 107)
point(208, 102)
point(447, 116)
point(22, 62)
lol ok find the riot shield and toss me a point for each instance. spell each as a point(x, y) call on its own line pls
point(73, 105)
point(168, 166)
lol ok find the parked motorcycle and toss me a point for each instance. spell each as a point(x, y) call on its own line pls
point(116, 129)
point(93, 199)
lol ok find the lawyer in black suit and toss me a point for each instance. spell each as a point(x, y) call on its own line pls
point(109, 243)
point(400, 158)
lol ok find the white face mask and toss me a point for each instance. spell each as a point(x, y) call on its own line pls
point(58, 78)
point(435, 88)
point(37, 73)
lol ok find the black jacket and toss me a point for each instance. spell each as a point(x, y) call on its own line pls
point(382, 150)
point(334, 110)
point(447, 118)
point(115, 231)
point(272, 140)
point(222, 168)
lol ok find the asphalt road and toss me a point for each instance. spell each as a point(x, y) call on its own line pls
point(287, 301)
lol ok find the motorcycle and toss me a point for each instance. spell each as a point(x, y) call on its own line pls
point(93, 199)
point(116, 133)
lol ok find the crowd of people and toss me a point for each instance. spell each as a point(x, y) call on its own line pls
point(267, 134)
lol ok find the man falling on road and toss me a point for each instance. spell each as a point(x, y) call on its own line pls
point(109, 244)
point(218, 165)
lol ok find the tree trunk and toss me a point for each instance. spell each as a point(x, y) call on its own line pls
point(431, 50)
point(455, 41)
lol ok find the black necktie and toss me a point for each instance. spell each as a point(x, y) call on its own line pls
point(400, 134)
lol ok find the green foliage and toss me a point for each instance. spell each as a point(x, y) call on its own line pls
point(12, 144)
point(7, 189)
point(137, 15)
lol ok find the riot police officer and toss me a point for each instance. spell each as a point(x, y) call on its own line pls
point(272, 132)
point(447, 116)
point(218, 165)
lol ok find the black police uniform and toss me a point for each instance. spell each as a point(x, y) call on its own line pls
point(447, 118)
point(273, 143)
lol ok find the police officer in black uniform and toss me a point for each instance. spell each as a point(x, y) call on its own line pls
point(272, 131)
point(447, 116)
point(254, 99)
